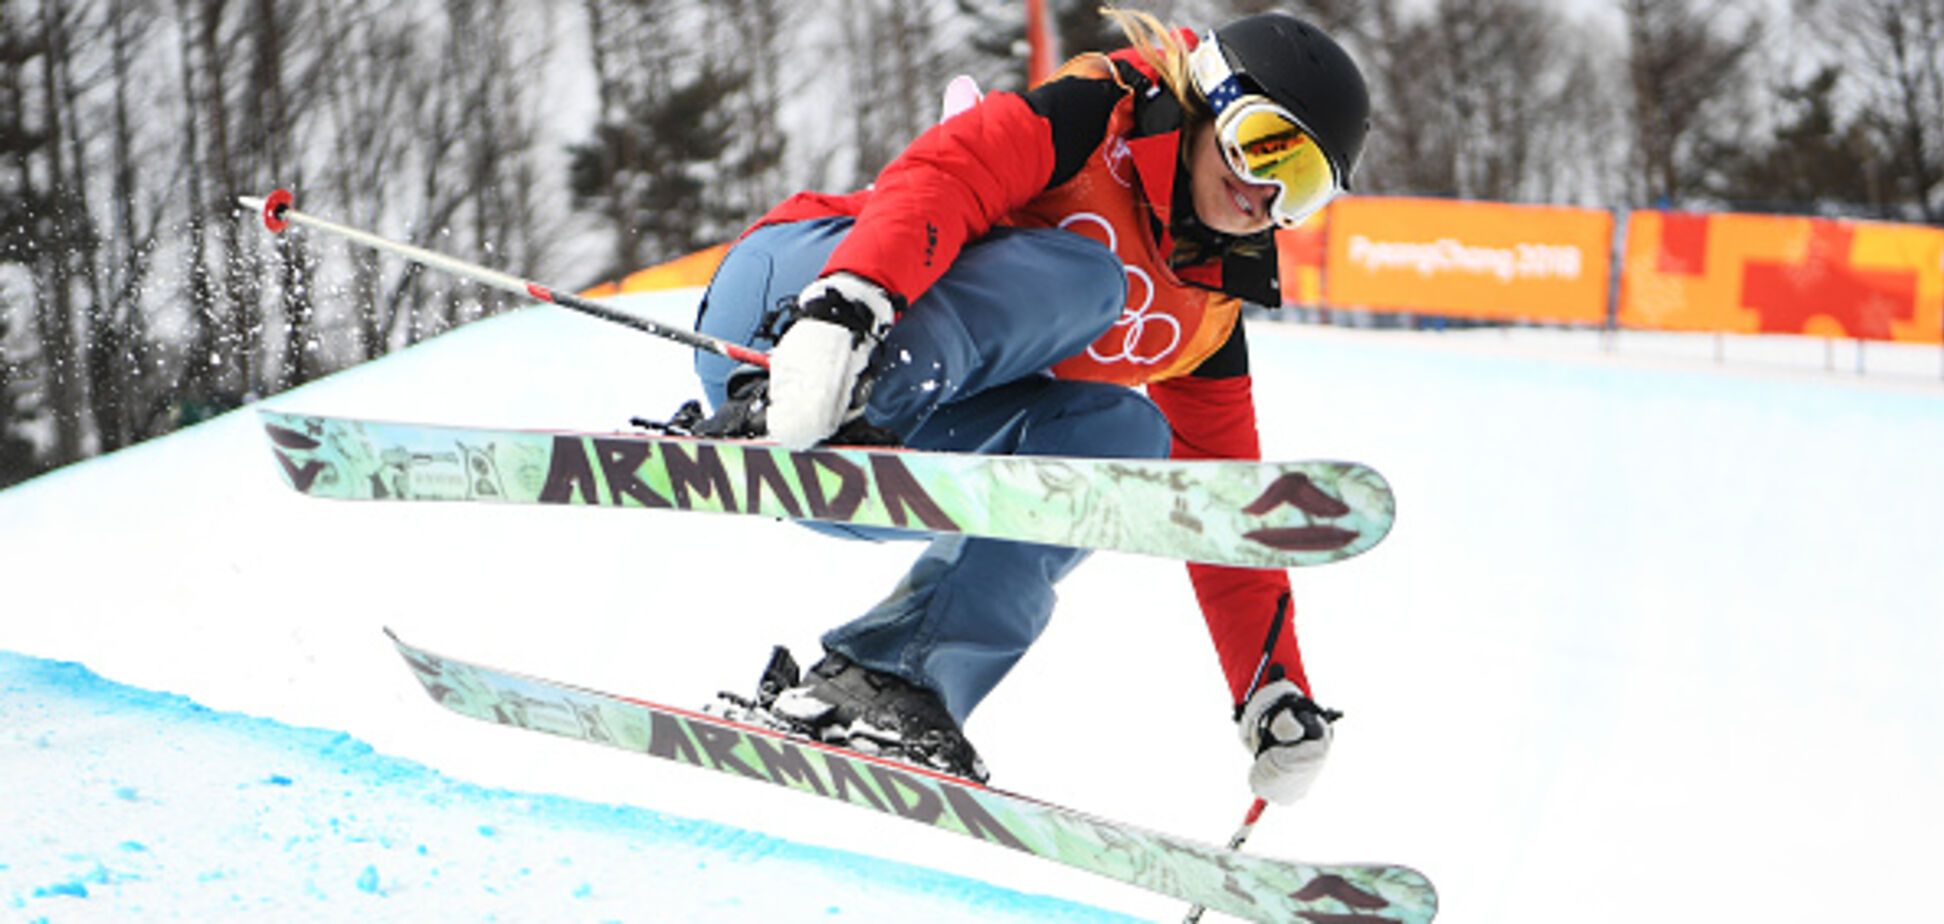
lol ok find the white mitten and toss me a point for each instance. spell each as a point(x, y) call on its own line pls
point(961, 94)
point(1289, 735)
point(815, 366)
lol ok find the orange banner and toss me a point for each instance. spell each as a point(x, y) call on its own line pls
point(1300, 255)
point(1783, 275)
point(1470, 259)
point(684, 272)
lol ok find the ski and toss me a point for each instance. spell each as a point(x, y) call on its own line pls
point(1248, 886)
point(1244, 513)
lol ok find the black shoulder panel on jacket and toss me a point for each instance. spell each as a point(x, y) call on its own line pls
point(1078, 108)
point(1228, 362)
point(1156, 111)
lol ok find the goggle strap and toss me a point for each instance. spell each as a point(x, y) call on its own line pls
point(1213, 76)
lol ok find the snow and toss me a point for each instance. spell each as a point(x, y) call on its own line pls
point(233, 818)
point(1653, 637)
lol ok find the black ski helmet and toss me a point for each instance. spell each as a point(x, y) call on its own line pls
point(1308, 73)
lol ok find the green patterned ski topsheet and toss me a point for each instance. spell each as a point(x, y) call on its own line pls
point(1251, 514)
point(1236, 883)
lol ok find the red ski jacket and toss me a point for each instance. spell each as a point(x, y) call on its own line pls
point(1065, 147)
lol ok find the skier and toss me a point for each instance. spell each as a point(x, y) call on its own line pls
point(1003, 287)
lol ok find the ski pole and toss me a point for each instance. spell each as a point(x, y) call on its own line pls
point(278, 215)
point(1235, 842)
point(1241, 835)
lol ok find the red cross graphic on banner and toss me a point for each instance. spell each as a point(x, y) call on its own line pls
point(1865, 302)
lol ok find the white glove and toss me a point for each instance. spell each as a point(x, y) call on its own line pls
point(961, 94)
point(815, 366)
point(1289, 736)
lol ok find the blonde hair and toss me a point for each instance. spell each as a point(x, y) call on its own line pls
point(1161, 47)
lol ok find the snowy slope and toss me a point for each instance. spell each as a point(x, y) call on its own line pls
point(131, 805)
point(1649, 635)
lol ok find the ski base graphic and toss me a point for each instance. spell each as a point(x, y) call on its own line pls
point(1243, 513)
point(1248, 886)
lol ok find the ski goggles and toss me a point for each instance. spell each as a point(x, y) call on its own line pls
point(1264, 143)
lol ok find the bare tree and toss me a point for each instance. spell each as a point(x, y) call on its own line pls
point(752, 33)
point(204, 351)
point(634, 67)
point(895, 76)
point(368, 97)
point(677, 131)
point(1813, 160)
point(273, 117)
point(18, 458)
point(1498, 99)
point(119, 350)
point(135, 291)
point(1686, 69)
point(1490, 57)
point(1577, 121)
point(228, 155)
point(22, 207)
point(444, 135)
point(62, 234)
point(1893, 53)
point(1409, 150)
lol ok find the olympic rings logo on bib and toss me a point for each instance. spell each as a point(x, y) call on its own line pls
point(1139, 320)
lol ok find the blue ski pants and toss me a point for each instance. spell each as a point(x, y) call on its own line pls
point(964, 369)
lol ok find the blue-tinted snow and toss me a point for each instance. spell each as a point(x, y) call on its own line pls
point(125, 804)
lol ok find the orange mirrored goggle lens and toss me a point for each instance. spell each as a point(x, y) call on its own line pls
point(1264, 144)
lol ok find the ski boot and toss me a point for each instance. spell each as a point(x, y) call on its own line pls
point(845, 704)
